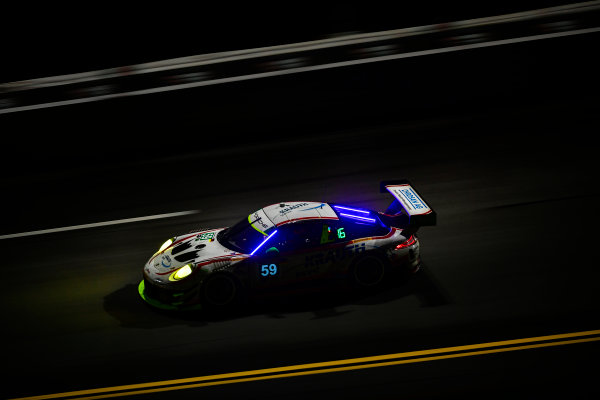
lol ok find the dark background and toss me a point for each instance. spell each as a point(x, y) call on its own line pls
point(56, 39)
point(500, 140)
point(51, 40)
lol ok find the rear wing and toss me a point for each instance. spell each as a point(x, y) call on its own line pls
point(409, 210)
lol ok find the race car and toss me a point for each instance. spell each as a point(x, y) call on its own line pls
point(287, 244)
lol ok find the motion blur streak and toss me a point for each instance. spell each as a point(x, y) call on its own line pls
point(163, 89)
point(228, 56)
point(375, 361)
point(98, 224)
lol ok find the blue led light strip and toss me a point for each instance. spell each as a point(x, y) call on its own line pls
point(358, 217)
point(352, 209)
point(263, 242)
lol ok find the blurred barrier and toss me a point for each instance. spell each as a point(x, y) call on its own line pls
point(354, 49)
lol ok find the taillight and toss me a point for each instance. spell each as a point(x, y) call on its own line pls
point(407, 243)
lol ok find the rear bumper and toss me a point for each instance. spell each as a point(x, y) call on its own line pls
point(408, 258)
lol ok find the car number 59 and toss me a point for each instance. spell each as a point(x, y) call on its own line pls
point(268, 269)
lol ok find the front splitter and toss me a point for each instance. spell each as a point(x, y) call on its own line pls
point(161, 305)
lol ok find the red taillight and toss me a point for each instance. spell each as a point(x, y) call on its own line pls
point(409, 242)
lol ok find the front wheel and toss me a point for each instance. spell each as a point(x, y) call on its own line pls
point(220, 291)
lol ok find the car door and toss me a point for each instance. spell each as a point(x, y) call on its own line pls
point(331, 251)
point(282, 261)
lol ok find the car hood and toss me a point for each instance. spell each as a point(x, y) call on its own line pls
point(199, 248)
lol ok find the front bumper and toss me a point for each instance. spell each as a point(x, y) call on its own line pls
point(168, 300)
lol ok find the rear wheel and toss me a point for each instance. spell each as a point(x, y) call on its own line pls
point(368, 272)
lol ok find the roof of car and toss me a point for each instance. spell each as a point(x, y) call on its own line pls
point(283, 213)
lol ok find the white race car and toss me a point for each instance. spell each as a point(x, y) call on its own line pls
point(286, 246)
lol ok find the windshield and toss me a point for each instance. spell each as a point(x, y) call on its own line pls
point(242, 237)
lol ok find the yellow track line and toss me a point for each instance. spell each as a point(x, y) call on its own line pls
point(340, 369)
point(377, 361)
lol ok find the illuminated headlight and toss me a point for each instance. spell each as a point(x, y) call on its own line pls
point(181, 273)
point(165, 245)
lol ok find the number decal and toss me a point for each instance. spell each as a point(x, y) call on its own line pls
point(206, 235)
point(268, 269)
point(341, 233)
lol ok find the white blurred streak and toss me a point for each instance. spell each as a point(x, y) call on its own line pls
point(351, 39)
point(305, 69)
point(98, 224)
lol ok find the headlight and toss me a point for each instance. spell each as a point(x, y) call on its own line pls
point(181, 273)
point(165, 245)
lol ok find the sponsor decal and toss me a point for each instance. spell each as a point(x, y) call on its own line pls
point(334, 255)
point(320, 206)
point(166, 258)
point(258, 221)
point(291, 208)
point(415, 202)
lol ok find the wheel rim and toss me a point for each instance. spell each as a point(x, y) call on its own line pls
point(368, 272)
point(220, 290)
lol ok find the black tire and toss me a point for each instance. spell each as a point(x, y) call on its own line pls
point(368, 271)
point(220, 291)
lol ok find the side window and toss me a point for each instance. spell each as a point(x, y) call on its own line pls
point(307, 234)
point(295, 236)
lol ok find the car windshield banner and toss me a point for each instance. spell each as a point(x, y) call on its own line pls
point(259, 221)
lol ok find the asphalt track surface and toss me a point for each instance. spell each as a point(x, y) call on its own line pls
point(514, 255)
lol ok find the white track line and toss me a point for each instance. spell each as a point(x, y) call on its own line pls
point(303, 69)
point(212, 58)
point(98, 224)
